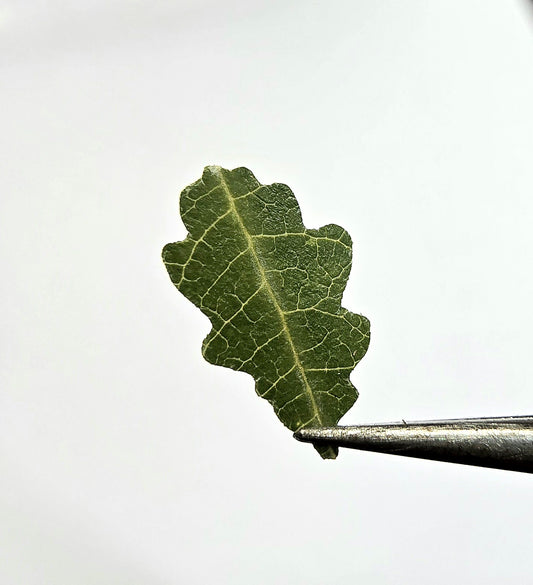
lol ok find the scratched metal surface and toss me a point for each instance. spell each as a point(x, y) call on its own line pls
point(502, 443)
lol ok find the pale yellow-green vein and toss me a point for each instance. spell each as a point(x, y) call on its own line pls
point(271, 294)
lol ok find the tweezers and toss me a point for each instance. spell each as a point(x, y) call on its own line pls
point(504, 442)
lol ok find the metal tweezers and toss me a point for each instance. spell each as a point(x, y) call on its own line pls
point(504, 442)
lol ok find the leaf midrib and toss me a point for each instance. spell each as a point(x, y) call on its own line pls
point(272, 296)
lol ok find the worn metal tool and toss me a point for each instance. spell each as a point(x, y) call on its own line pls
point(501, 443)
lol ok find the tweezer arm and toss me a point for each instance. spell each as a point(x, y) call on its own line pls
point(499, 443)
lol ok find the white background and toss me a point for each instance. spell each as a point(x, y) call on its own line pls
point(125, 458)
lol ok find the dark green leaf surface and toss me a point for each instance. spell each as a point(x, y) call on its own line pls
point(272, 290)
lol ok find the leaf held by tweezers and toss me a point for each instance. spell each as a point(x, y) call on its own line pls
point(272, 290)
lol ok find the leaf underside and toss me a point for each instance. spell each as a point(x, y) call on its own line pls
point(272, 290)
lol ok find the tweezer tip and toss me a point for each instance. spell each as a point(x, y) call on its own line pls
point(309, 435)
point(298, 436)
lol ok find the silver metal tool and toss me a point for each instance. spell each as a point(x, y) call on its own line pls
point(501, 443)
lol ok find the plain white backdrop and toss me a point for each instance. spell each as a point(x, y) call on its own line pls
point(125, 458)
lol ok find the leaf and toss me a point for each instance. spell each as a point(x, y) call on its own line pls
point(272, 290)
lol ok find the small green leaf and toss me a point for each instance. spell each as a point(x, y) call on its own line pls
point(272, 290)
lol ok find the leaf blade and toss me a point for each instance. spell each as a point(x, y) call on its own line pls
point(272, 290)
